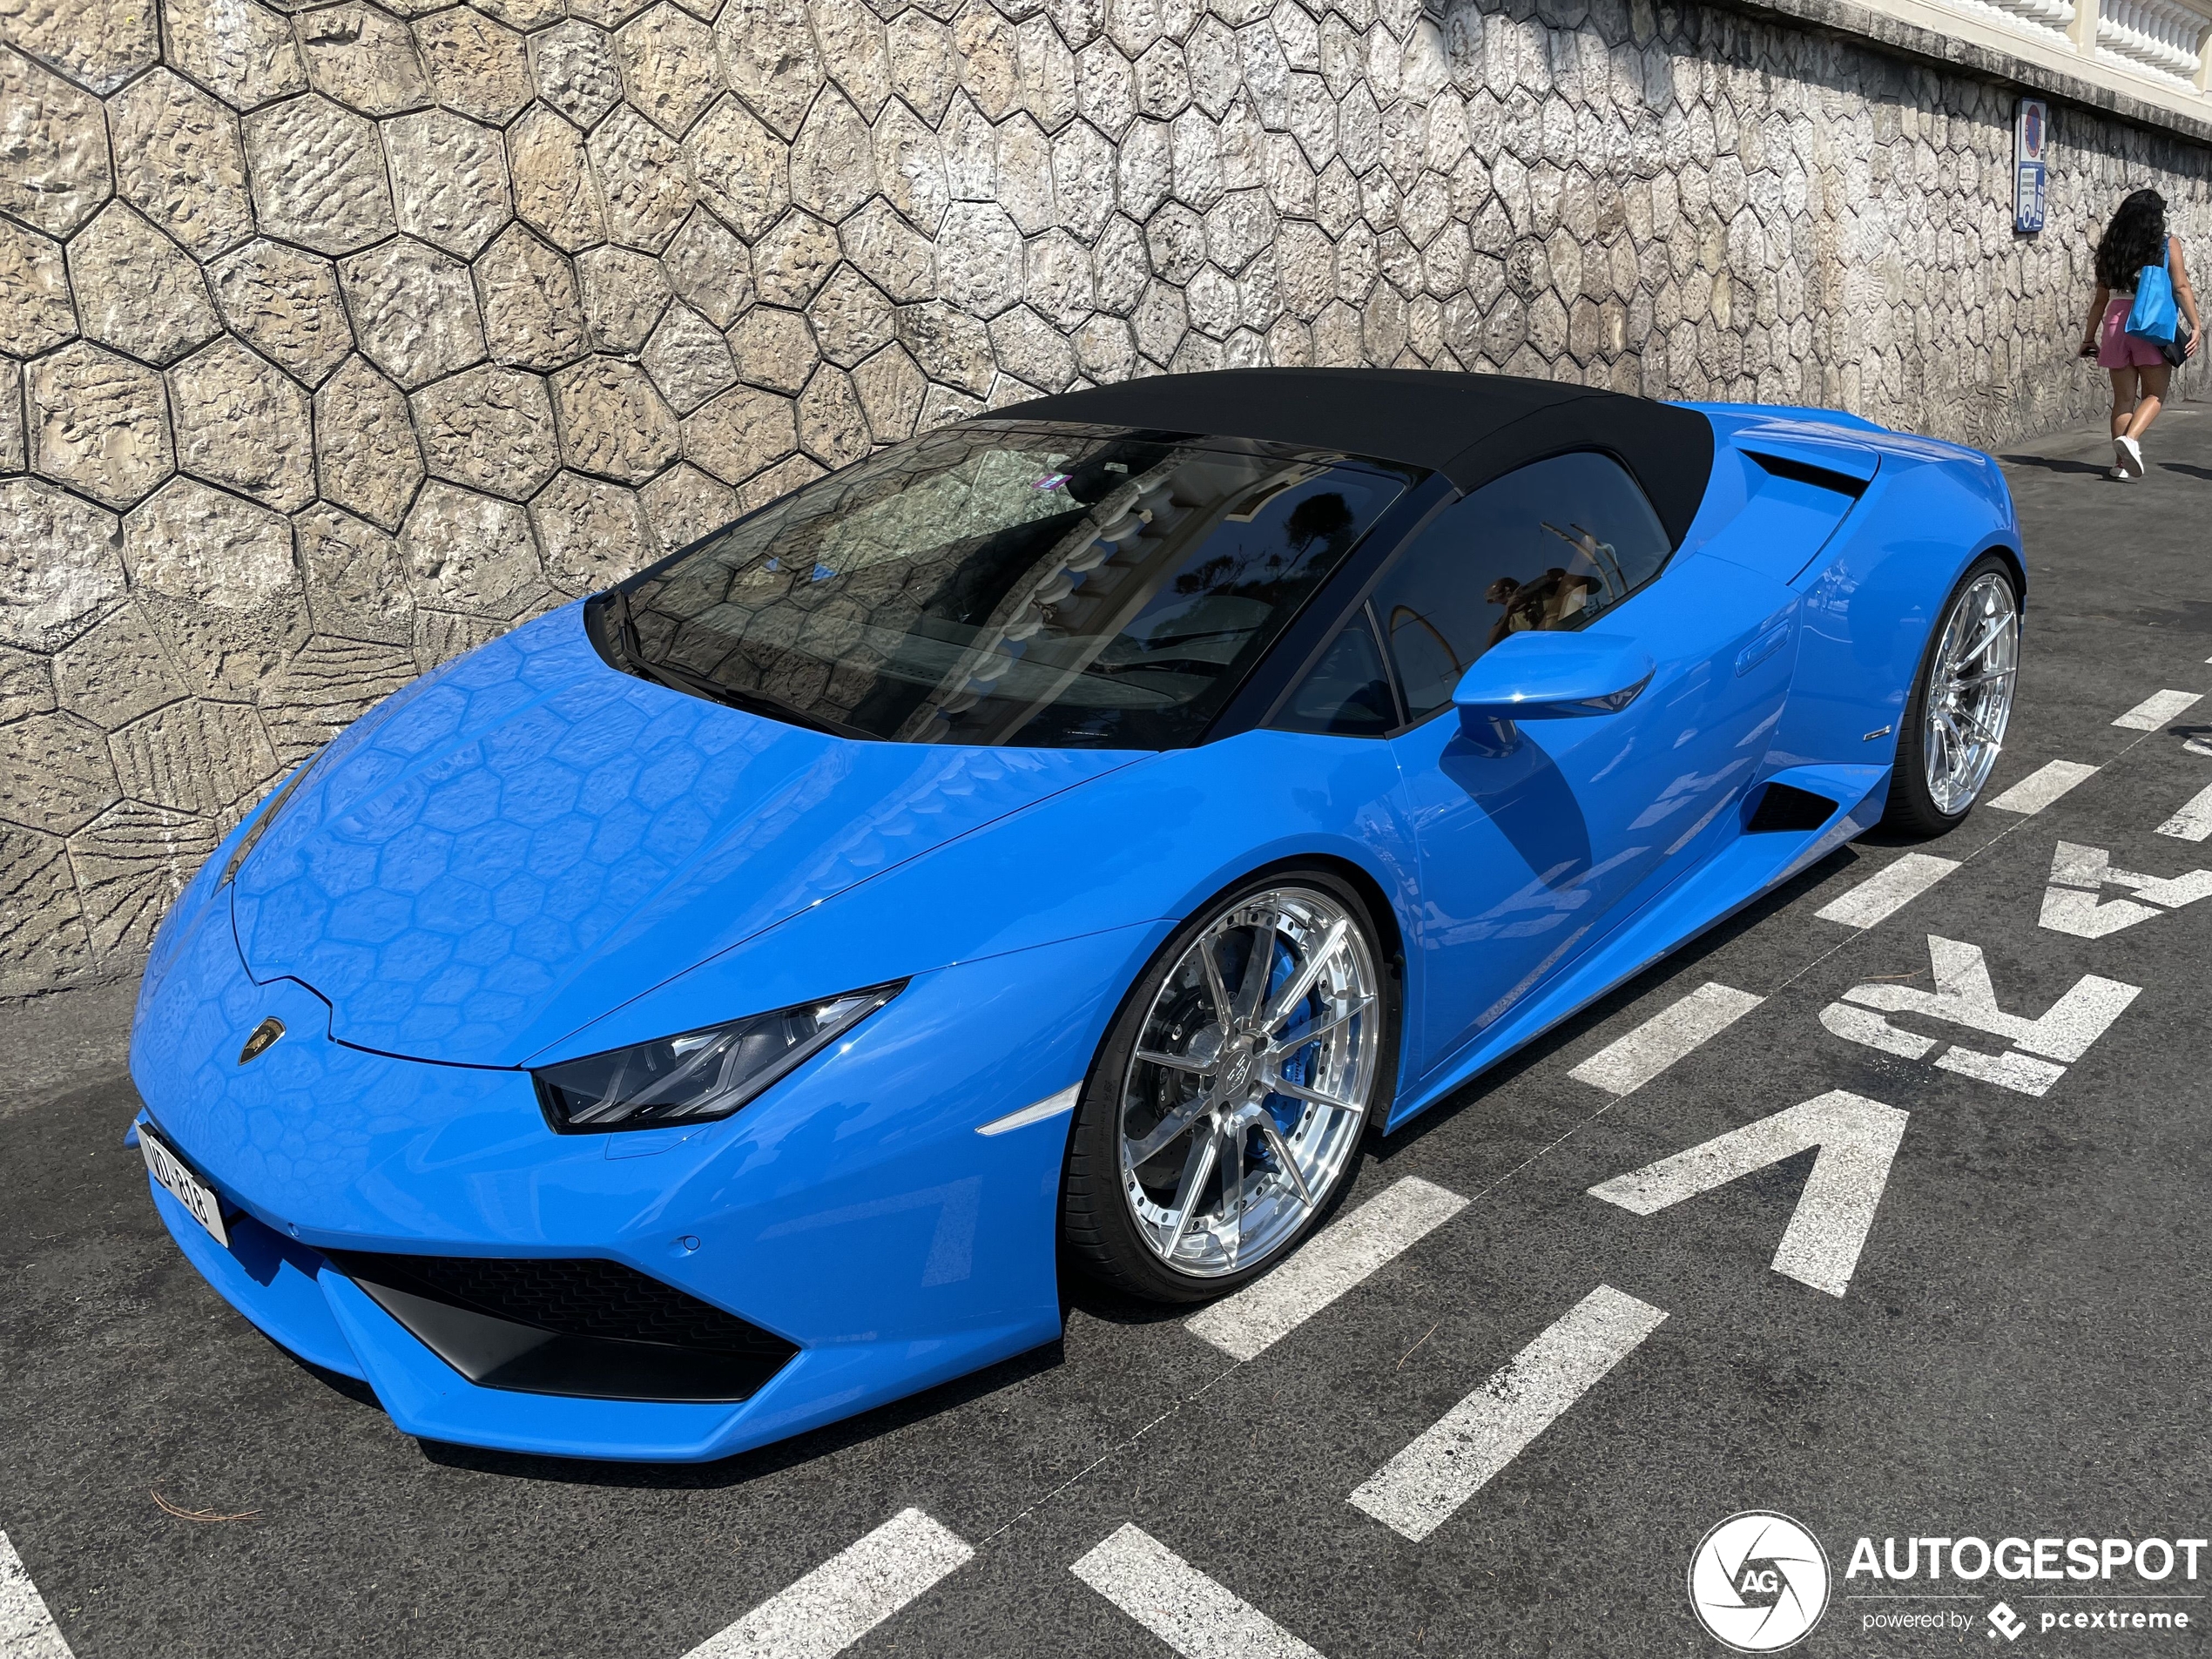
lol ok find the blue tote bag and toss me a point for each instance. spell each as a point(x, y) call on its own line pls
point(2154, 314)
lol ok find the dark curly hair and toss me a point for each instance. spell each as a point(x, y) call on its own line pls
point(2136, 237)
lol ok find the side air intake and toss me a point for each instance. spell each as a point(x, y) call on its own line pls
point(1782, 808)
point(578, 1327)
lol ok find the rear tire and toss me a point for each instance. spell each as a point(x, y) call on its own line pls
point(1954, 722)
point(1148, 1204)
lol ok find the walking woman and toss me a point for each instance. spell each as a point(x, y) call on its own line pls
point(2136, 237)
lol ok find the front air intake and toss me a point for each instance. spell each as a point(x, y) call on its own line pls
point(579, 1326)
point(1783, 808)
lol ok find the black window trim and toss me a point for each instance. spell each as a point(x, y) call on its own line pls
point(1451, 496)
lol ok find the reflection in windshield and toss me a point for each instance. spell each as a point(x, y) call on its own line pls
point(1011, 584)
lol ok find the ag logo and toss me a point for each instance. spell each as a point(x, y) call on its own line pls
point(1759, 1581)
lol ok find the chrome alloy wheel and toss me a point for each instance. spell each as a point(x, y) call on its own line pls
point(1244, 1099)
point(1969, 696)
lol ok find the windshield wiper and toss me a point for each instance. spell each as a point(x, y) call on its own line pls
point(682, 680)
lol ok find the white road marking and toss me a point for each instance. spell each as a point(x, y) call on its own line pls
point(1964, 995)
point(1630, 1062)
point(1051, 1106)
point(2154, 711)
point(1417, 1491)
point(1181, 1605)
point(846, 1597)
point(2042, 786)
point(1888, 890)
point(1858, 1138)
point(2022, 1073)
point(2194, 821)
point(1245, 1325)
point(2073, 902)
point(27, 1629)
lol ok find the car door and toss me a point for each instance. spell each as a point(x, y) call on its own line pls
point(1531, 855)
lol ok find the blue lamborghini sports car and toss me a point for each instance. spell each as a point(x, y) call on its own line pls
point(713, 1008)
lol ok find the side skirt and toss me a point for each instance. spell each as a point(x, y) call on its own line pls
point(1744, 870)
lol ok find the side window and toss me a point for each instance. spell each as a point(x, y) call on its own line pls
point(1552, 546)
point(1347, 692)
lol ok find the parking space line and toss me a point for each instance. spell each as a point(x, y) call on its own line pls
point(2156, 711)
point(1417, 1491)
point(2042, 786)
point(1888, 890)
point(27, 1629)
point(846, 1597)
point(1245, 1325)
point(2194, 821)
point(1181, 1605)
point(1629, 1062)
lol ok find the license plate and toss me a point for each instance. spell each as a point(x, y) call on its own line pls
point(186, 1188)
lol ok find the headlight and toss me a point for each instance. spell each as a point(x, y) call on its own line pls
point(700, 1075)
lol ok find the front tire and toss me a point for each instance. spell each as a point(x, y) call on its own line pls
point(1223, 1117)
point(1955, 720)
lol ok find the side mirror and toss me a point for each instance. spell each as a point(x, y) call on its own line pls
point(1537, 676)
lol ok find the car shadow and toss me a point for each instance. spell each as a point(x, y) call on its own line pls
point(2053, 463)
point(744, 1467)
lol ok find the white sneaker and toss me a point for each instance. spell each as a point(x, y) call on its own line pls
point(2134, 463)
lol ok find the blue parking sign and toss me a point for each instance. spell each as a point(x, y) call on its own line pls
point(2031, 132)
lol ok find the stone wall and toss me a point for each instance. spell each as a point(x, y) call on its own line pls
point(334, 339)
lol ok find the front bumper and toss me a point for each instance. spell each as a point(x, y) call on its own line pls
point(853, 1211)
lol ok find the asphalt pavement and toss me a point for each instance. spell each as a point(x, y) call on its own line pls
point(1935, 1269)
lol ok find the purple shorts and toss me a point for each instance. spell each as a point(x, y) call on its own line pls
point(2116, 348)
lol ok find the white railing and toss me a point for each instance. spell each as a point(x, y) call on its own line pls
point(2158, 35)
point(2052, 20)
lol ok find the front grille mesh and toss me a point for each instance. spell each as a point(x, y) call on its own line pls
point(579, 1297)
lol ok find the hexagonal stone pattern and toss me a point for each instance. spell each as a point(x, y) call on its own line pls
point(61, 559)
point(533, 314)
point(242, 52)
point(338, 335)
point(136, 290)
point(115, 672)
point(178, 160)
point(491, 429)
point(448, 179)
point(248, 427)
point(469, 553)
point(478, 65)
point(613, 421)
point(367, 457)
point(364, 59)
point(208, 547)
point(413, 310)
point(593, 532)
point(287, 304)
point(554, 190)
point(54, 169)
point(99, 423)
point(318, 175)
point(36, 311)
point(98, 43)
point(55, 773)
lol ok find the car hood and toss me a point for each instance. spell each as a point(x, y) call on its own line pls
point(526, 840)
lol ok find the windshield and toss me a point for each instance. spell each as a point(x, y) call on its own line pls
point(1041, 586)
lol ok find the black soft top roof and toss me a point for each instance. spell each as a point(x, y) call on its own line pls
point(1470, 428)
